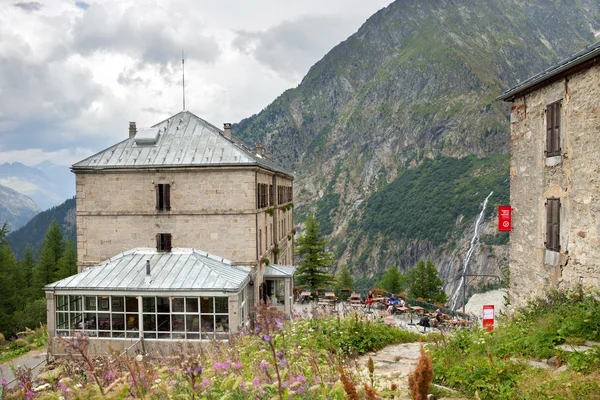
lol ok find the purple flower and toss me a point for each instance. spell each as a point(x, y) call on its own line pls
point(255, 383)
point(267, 337)
point(4, 382)
point(205, 383)
point(264, 365)
point(110, 375)
point(278, 325)
point(198, 370)
point(284, 384)
point(29, 394)
point(237, 365)
point(282, 362)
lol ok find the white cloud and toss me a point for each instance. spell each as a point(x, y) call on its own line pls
point(73, 74)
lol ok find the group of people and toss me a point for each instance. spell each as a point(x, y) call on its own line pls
point(392, 302)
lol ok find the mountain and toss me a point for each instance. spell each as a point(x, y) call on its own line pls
point(15, 208)
point(34, 231)
point(396, 137)
point(46, 183)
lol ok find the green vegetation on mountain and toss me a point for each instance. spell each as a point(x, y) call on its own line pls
point(16, 209)
point(34, 231)
point(392, 132)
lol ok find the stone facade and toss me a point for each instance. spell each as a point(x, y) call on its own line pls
point(573, 176)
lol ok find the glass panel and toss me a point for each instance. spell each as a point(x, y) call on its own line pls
point(75, 303)
point(178, 323)
point(91, 333)
point(191, 336)
point(192, 323)
point(133, 334)
point(207, 323)
point(206, 305)
point(149, 322)
point(177, 304)
point(118, 322)
point(163, 322)
point(76, 321)
point(63, 320)
point(62, 333)
point(164, 335)
point(103, 304)
point(104, 321)
point(90, 303)
point(118, 334)
point(192, 304)
point(117, 303)
point(62, 303)
point(162, 304)
point(150, 335)
point(222, 323)
point(131, 304)
point(149, 304)
point(103, 334)
point(91, 321)
point(132, 322)
point(222, 305)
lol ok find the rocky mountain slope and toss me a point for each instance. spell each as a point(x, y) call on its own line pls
point(15, 208)
point(395, 135)
point(46, 183)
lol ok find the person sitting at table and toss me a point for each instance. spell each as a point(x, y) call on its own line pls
point(438, 315)
point(401, 302)
point(369, 300)
point(392, 304)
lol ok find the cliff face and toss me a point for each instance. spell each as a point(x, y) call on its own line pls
point(391, 109)
point(15, 208)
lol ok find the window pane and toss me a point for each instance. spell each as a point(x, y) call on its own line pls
point(103, 334)
point(149, 322)
point(150, 335)
point(192, 304)
point(207, 323)
point(162, 304)
point(90, 321)
point(62, 320)
point(192, 323)
point(118, 322)
point(103, 304)
point(149, 304)
point(163, 322)
point(135, 334)
point(178, 323)
point(75, 303)
point(76, 321)
point(104, 321)
point(117, 304)
point(132, 322)
point(164, 335)
point(131, 304)
point(62, 303)
point(118, 334)
point(177, 304)
point(206, 305)
point(221, 305)
point(90, 303)
point(222, 323)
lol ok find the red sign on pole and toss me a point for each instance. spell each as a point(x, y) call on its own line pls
point(504, 218)
point(488, 317)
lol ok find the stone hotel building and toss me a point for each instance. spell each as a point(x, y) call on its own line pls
point(180, 230)
point(555, 177)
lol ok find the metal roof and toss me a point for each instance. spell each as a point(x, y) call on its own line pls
point(182, 140)
point(179, 270)
point(578, 58)
point(279, 271)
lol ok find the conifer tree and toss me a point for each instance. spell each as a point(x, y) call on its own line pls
point(46, 270)
point(344, 281)
point(314, 258)
point(24, 275)
point(425, 283)
point(393, 281)
point(67, 264)
point(8, 266)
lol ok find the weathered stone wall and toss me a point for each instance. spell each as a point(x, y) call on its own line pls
point(574, 177)
point(211, 209)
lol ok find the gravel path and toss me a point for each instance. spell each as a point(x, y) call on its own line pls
point(35, 359)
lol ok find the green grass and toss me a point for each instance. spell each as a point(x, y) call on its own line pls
point(493, 364)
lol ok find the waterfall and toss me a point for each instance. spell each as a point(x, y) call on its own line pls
point(472, 245)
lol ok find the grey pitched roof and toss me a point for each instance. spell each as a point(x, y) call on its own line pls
point(179, 270)
point(182, 140)
point(576, 59)
point(279, 271)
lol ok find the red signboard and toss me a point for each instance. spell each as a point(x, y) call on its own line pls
point(504, 218)
point(488, 317)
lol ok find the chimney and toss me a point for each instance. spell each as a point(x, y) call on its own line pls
point(268, 156)
point(259, 149)
point(132, 129)
point(227, 130)
point(147, 278)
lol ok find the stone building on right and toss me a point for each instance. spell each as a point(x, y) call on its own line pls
point(555, 177)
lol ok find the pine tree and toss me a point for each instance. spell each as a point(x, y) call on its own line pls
point(314, 258)
point(67, 264)
point(344, 281)
point(24, 275)
point(425, 283)
point(46, 270)
point(8, 266)
point(393, 281)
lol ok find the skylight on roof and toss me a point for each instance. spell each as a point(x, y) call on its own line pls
point(147, 136)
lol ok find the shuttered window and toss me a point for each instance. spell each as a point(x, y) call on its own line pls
point(163, 242)
point(163, 197)
point(553, 224)
point(553, 129)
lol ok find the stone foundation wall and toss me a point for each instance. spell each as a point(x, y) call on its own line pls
point(574, 177)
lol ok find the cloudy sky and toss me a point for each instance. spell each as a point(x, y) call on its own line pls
point(74, 73)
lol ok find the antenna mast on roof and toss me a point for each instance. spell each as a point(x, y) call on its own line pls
point(183, 74)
